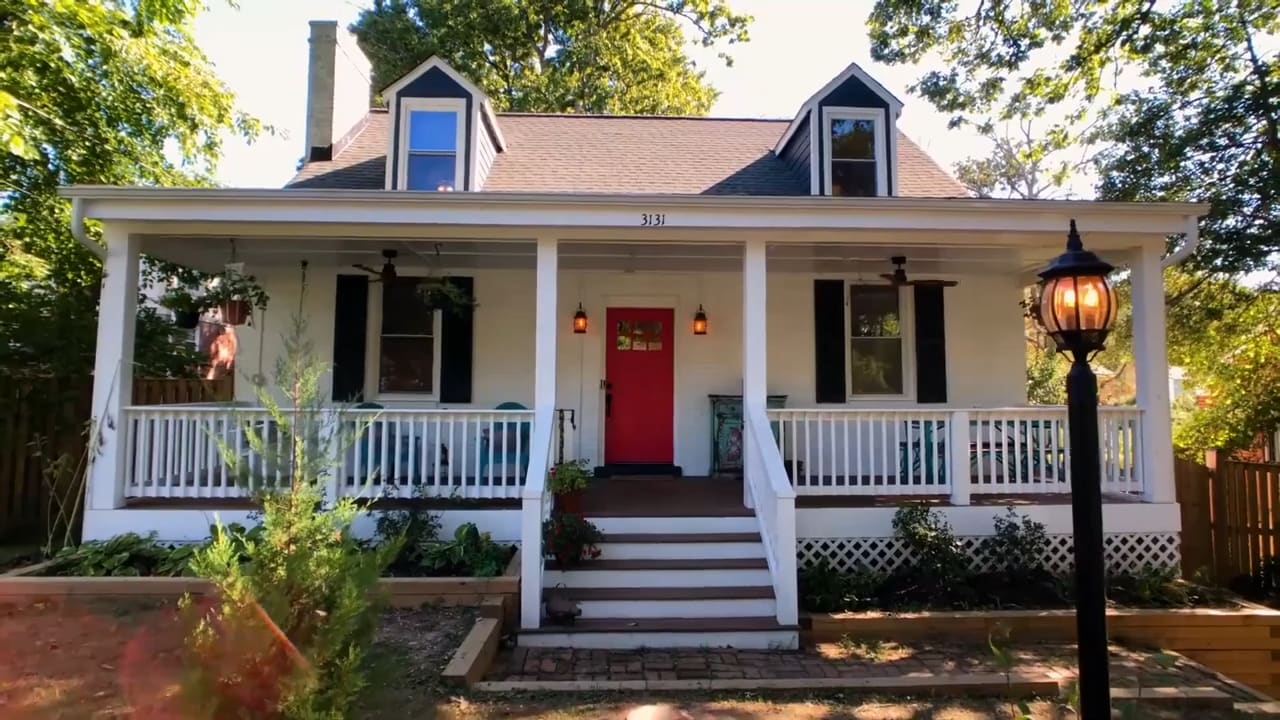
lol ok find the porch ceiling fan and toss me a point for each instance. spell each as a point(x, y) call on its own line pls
point(898, 277)
point(388, 271)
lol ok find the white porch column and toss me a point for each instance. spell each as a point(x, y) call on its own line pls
point(1151, 366)
point(545, 326)
point(113, 369)
point(544, 403)
point(754, 333)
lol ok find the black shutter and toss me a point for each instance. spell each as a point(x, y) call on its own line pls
point(457, 341)
point(350, 320)
point(829, 341)
point(931, 345)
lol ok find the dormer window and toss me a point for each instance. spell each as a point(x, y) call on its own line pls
point(432, 132)
point(854, 142)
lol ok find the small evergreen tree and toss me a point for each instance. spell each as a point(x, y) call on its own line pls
point(295, 609)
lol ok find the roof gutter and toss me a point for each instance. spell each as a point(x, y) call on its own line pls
point(80, 233)
point(1190, 241)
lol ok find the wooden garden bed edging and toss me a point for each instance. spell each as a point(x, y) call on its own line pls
point(1242, 643)
point(400, 592)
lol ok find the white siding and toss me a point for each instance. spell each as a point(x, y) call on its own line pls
point(485, 152)
point(984, 342)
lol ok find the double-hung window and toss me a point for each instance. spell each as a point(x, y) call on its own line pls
point(432, 140)
point(855, 148)
point(408, 344)
point(876, 357)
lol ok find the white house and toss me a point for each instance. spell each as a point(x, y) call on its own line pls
point(826, 389)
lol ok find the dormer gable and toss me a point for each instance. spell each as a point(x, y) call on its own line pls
point(844, 137)
point(444, 133)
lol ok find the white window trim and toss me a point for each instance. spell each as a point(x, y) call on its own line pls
point(457, 106)
point(373, 354)
point(877, 117)
point(907, 319)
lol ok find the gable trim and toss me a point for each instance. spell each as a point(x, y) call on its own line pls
point(482, 100)
point(852, 71)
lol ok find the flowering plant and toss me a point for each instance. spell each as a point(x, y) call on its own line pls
point(570, 539)
point(569, 476)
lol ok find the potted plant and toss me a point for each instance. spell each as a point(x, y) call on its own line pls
point(236, 295)
point(566, 481)
point(443, 295)
point(186, 308)
point(570, 539)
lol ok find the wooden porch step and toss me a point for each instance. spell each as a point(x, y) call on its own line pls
point(762, 592)
point(681, 537)
point(658, 625)
point(709, 564)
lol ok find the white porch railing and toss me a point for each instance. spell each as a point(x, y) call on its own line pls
point(766, 489)
point(1024, 450)
point(178, 452)
point(535, 507)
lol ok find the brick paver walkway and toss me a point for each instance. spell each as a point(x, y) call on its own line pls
point(845, 660)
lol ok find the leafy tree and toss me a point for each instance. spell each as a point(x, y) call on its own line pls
point(609, 56)
point(1020, 165)
point(94, 92)
point(1189, 104)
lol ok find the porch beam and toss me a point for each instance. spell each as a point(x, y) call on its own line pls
point(113, 368)
point(1151, 367)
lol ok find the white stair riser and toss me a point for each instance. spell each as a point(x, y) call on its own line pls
point(680, 551)
point(657, 578)
point(746, 640)
point(717, 608)
point(675, 525)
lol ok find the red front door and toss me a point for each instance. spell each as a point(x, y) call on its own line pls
point(639, 386)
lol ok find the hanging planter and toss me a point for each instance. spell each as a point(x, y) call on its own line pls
point(185, 306)
point(186, 319)
point(235, 312)
point(236, 296)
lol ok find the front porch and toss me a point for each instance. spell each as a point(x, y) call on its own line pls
point(925, 401)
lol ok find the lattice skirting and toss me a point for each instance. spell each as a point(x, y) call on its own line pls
point(1125, 552)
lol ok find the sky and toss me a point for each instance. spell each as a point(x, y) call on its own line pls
point(260, 51)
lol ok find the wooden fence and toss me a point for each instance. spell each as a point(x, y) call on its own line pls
point(1229, 516)
point(42, 419)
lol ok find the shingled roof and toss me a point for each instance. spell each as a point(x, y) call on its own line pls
point(623, 154)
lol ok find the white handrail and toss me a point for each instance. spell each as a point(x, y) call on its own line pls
point(774, 500)
point(535, 506)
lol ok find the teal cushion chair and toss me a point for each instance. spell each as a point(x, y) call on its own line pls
point(507, 437)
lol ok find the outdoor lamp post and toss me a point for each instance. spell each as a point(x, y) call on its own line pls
point(1077, 307)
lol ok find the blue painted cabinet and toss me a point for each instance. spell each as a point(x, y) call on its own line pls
point(726, 431)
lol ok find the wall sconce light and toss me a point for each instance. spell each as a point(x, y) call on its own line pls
point(580, 321)
point(700, 321)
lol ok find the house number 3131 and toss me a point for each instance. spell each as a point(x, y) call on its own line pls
point(653, 219)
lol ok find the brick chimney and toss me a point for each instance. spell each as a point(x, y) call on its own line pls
point(337, 88)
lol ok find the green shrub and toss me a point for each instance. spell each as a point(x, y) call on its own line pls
point(415, 530)
point(938, 569)
point(127, 555)
point(470, 553)
point(295, 610)
point(1019, 545)
point(825, 589)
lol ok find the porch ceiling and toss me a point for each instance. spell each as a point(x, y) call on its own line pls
point(864, 253)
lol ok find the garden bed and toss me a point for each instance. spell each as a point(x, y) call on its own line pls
point(1242, 642)
point(26, 584)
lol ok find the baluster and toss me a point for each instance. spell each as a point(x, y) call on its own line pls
point(851, 480)
point(436, 457)
point(521, 469)
point(454, 457)
point(808, 461)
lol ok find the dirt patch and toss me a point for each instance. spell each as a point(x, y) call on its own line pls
point(94, 659)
